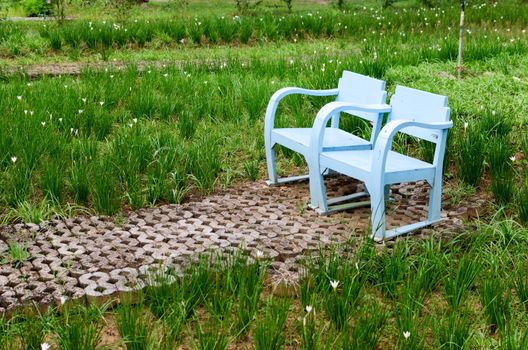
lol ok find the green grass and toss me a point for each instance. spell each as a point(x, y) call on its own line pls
point(202, 305)
point(166, 152)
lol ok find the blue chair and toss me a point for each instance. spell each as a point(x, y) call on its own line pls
point(353, 90)
point(414, 112)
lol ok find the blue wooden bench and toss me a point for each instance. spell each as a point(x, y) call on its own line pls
point(354, 90)
point(413, 112)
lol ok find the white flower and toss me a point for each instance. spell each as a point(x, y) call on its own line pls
point(14, 159)
point(101, 103)
point(60, 120)
point(43, 123)
point(466, 124)
point(83, 99)
point(25, 111)
point(308, 308)
point(63, 299)
point(44, 346)
point(31, 112)
point(334, 284)
point(65, 86)
point(19, 98)
point(166, 75)
point(260, 254)
point(134, 120)
point(80, 111)
point(111, 76)
point(512, 158)
point(406, 334)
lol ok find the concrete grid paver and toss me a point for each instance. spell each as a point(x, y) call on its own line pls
point(94, 257)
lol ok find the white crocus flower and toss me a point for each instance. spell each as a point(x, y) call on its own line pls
point(466, 124)
point(260, 254)
point(14, 159)
point(308, 308)
point(19, 98)
point(83, 99)
point(81, 110)
point(63, 299)
point(45, 346)
point(406, 334)
point(334, 284)
point(513, 159)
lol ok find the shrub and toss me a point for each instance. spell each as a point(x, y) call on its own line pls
point(36, 8)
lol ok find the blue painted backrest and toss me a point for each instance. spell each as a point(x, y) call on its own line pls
point(360, 89)
point(417, 105)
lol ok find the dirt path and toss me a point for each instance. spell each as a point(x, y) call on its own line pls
point(54, 69)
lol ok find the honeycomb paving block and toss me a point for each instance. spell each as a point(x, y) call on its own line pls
point(93, 258)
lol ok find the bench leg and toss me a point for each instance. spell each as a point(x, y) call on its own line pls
point(317, 190)
point(272, 166)
point(435, 201)
point(377, 207)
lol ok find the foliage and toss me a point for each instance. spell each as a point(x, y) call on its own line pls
point(35, 8)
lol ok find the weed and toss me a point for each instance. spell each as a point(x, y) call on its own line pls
point(251, 284)
point(133, 325)
point(454, 331)
point(390, 270)
point(32, 330)
point(79, 328)
point(502, 175)
point(104, 188)
point(211, 338)
point(522, 203)
point(460, 280)
point(27, 212)
point(269, 329)
point(471, 148)
point(514, 340)
point(365, 333)
point(17, 254)
point(495, 297)
point(251, 168)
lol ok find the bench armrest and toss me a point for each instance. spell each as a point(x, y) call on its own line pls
point(316, 141)
point(385, 137)
point(273, 103)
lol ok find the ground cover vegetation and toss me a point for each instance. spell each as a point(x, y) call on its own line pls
point(454, 294)
point(107, 141)
point(181, 125)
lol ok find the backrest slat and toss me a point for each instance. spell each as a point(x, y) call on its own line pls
point(361, 89)
point(417, 105)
